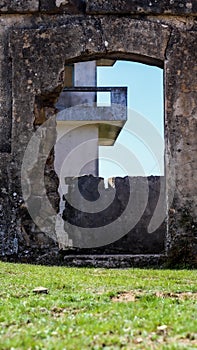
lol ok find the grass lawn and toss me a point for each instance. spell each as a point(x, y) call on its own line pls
point(97, 308)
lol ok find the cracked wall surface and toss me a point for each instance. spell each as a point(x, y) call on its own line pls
point(38, 37)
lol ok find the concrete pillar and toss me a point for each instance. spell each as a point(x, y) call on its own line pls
point(76, 149)
point(84, 74)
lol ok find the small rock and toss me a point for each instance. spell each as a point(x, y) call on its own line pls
point(43, 309)
point(162, 329)
point(39, 290)
point(138, 340)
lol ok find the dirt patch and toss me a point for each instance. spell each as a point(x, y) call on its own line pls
point(60, 311)
point(127, 296)
point(131, 296)
point(179, 295)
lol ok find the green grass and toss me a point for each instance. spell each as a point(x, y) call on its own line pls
point(80, 312)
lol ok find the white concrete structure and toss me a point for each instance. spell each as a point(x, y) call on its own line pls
point(75, 140)
point(82, 126)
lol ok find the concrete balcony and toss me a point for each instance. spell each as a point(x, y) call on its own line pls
point(84, 111)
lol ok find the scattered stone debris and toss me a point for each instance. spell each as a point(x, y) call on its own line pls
point(40, 290)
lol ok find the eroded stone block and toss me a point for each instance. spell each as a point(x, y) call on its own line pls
point(62, 6)
point(173, 7)
point(21, 6)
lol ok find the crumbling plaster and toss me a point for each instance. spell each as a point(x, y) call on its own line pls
point(36, 38)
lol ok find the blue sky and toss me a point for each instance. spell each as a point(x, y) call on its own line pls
point(134, 152)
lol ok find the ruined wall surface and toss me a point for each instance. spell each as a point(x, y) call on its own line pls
point(37, 37)
point(117, 219)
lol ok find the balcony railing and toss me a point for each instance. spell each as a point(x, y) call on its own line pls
point(118, 95)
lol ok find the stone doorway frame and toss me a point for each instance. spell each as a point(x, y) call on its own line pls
point(38, 59)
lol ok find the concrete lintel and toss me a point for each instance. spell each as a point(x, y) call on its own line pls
point(103, 62)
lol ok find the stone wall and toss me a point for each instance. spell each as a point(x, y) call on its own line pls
point(38, 37)
point(118, 216)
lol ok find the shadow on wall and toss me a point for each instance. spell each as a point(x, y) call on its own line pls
point(113, 220)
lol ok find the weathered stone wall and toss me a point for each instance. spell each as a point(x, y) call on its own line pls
point(119, 215)
point(38, 37)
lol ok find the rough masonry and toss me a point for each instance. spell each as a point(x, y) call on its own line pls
point(37, 39)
